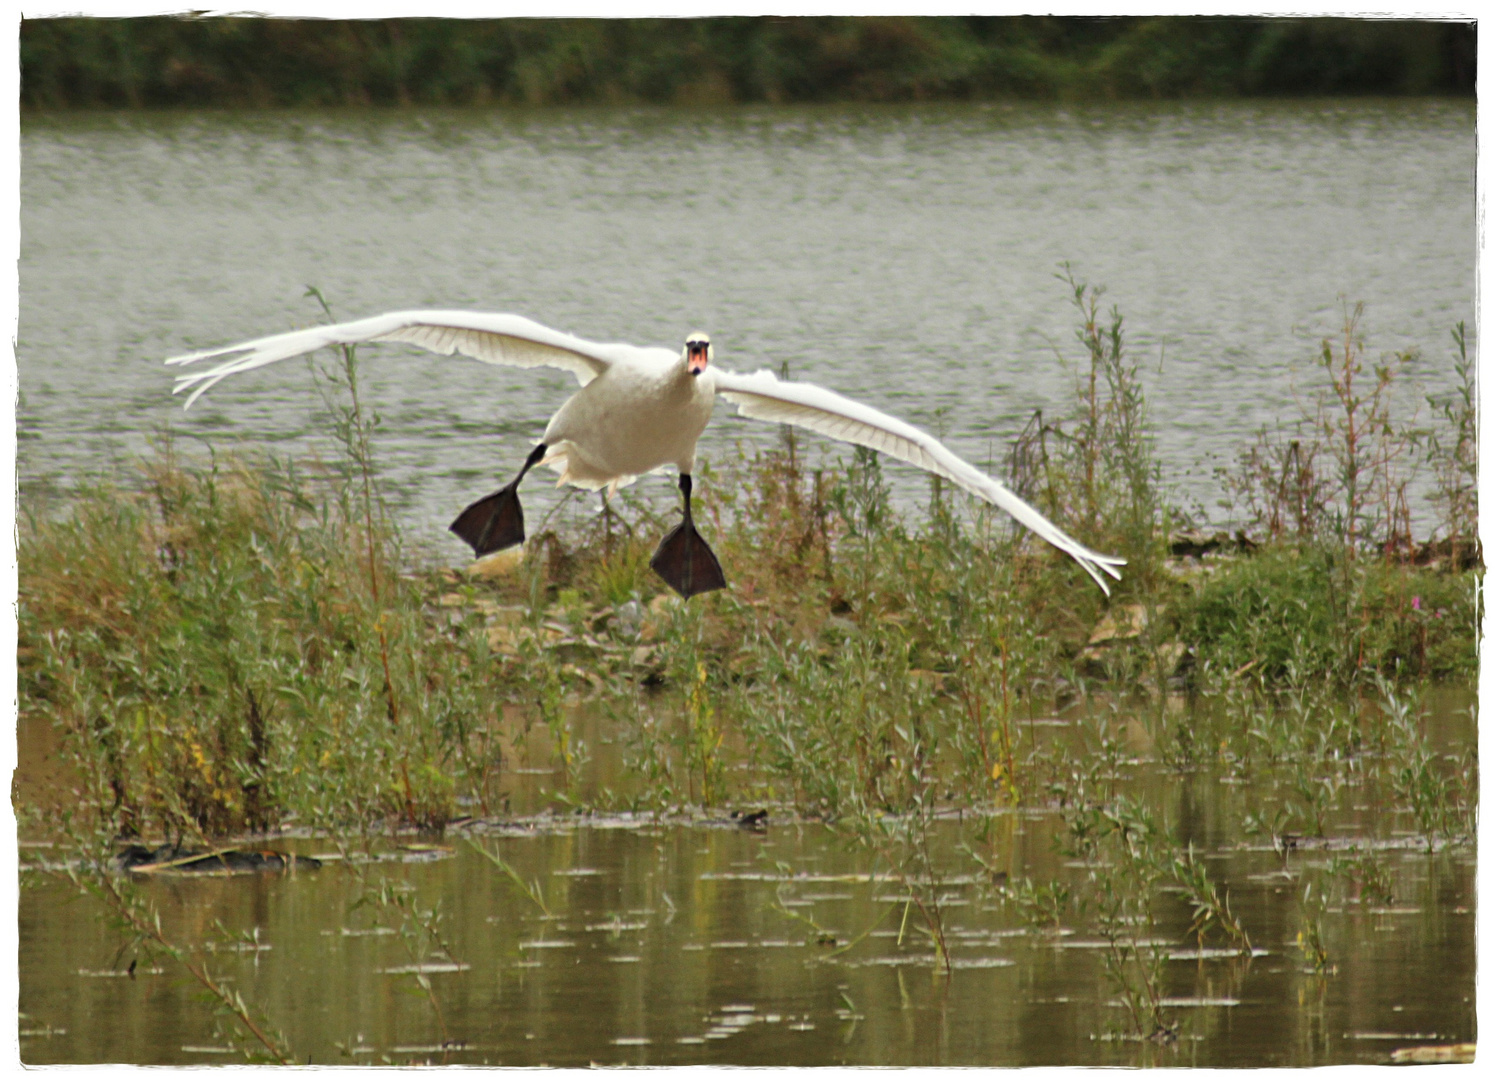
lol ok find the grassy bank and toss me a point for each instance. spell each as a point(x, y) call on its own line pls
point(231, 645)
point(89, 63)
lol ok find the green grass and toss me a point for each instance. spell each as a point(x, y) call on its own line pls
point(1286, 610)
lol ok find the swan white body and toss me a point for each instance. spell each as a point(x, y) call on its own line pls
point(640, 409)
point(631, 419)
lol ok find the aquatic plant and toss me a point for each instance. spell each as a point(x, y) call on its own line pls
point(1211, 906)
point(1095, 472)
point(1453, 453)
point(419, 929)
point(531, 890)
point(1365, 870)
point(138, 922)
point(1041, 905)
point(1441, 799)
point(1310, 936)
point(1326, 494)
point(1126, 857)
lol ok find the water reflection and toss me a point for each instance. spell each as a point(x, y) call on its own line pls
point(709, 943)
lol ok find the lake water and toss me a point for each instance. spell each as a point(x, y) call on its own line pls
point(700, 942)
point(904, 255)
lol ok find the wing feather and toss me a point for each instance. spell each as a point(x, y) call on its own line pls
point(763, 396)
point(495, 339)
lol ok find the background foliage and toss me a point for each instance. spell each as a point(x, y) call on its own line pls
point(160, 61)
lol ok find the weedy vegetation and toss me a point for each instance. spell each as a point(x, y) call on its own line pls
point(233, 645)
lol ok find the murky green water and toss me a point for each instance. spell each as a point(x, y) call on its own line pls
point(700, 942)
point(904, 254)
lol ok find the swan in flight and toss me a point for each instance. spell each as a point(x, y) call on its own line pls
point(638, 409)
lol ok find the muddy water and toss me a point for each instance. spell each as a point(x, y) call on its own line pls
point(704, 942)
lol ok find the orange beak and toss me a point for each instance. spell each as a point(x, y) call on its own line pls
point(695, 358)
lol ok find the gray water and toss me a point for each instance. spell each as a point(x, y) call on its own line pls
point(904, 255)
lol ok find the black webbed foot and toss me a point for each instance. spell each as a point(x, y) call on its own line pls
point(496, 521)
point(492, 523)
point(687, 563)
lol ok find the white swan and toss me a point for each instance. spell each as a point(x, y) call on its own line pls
point(638, 409)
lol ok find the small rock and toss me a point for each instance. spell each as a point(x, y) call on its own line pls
point(1120, 624)
point(499, 564)
point(1435, 1054)
point(1195, 543)
point(1172, 654)
point(754, 820)
point(586, 675)
point(509, 638)
point(627, 618)
point(504, 615)
point(580, 650)
point(932, 679)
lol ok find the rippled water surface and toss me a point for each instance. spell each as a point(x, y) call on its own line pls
point(706, 943)
point(904, 255)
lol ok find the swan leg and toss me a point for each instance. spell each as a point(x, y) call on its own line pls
point(607, 520)
point(684, 559)
point(496, 521)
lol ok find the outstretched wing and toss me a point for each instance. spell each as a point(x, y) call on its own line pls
point(494, 339)
point(763, 396)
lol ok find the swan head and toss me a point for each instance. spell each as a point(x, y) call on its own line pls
point(697, 353)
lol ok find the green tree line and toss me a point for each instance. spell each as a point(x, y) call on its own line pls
point(184, 61)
